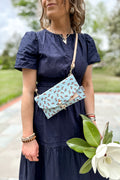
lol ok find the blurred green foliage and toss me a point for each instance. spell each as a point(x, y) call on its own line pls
point(8, 56)
point(113, 54)
point(96, 18)
point(28, 11)
point(7, 62)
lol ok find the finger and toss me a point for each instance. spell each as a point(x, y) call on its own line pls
point(35, 158)
point(29, 158)
point(37, 152)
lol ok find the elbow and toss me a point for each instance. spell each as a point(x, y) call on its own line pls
point(28, 91)
point(87, 84)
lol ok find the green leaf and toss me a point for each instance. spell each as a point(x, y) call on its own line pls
point(91, 133)
point(86, 167)
point(107, 138)
point(77, 144)
point(116, 142)
point(89, 152)
point(85, 117)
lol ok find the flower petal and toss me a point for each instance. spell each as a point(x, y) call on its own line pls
point(115, 155)
point(111, 170)
point(101, 150)
point(114, 170)
point(113, 150)
point(102, 169)
point(94, 163)
point(113, 145)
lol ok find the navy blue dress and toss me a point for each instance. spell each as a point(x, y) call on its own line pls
point(51, 57)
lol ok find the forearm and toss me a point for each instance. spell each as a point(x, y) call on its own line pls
point(89, 92)
point(89, 100)
point(27, 113)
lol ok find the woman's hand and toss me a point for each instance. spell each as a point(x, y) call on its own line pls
point(31, 150)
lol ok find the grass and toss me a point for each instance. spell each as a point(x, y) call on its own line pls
point(11, 83)
point(105, 81)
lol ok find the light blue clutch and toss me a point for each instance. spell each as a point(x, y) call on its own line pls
point(62, 95)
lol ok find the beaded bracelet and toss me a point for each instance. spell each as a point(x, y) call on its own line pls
point(27, 138)
point(91, 116)
point(26, 141)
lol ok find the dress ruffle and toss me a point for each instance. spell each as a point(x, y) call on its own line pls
point(55, 163)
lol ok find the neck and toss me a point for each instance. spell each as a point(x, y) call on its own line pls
point(61, 26)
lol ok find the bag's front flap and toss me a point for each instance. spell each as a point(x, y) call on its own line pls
point(60, 93)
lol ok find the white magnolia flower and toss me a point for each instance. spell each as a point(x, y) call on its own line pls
point(107, 160)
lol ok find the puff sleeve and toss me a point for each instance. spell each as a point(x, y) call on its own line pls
point(92, 53)
point(28, 52)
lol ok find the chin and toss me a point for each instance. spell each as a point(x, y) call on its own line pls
point(51, 15)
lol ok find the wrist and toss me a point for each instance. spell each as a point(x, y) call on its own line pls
point(26, 134)
point(28, 138)
point(91, 116)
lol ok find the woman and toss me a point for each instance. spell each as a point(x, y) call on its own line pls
point(46, 57)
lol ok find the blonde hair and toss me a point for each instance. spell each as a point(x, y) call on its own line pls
point(77, 19)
